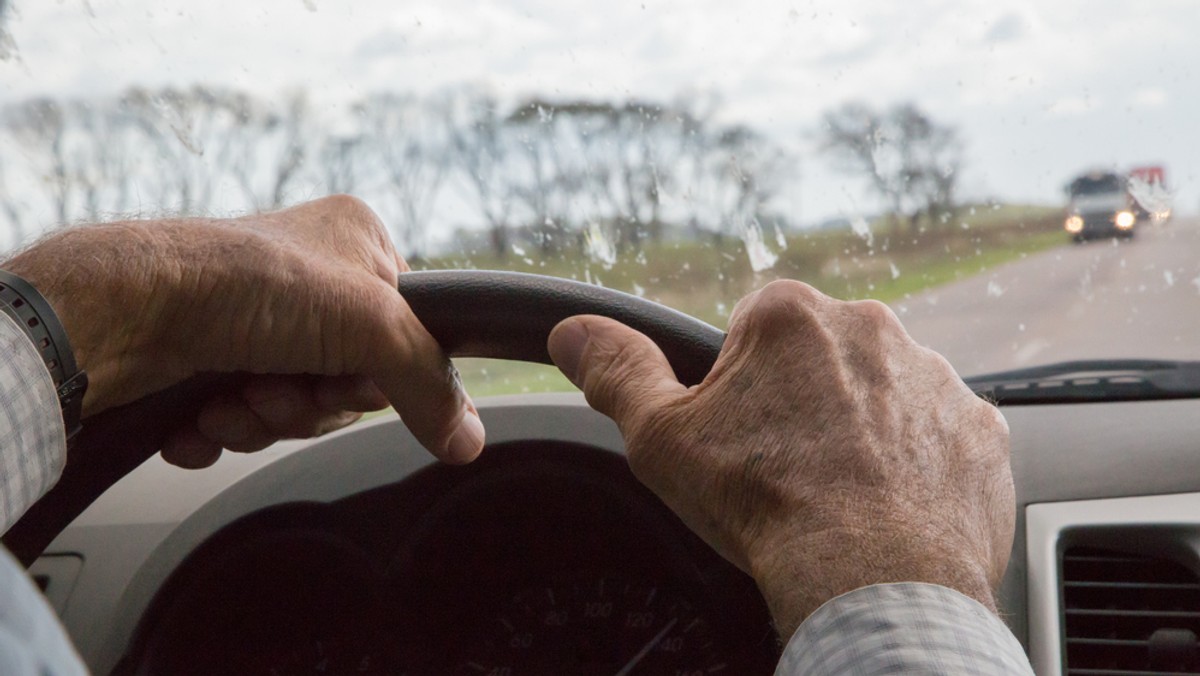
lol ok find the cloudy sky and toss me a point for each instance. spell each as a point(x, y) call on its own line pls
point(1040, 90)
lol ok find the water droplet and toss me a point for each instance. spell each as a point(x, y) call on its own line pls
point(895, 270)
point(1152, 196)
point(1168, 278)
point(994, 290)
point(639, 290)
point(599, 246)
point(761, 257)
point(860, 227)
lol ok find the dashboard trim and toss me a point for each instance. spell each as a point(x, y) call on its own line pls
point(1047, 524)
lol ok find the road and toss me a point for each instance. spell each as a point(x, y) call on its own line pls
point(1094, 300)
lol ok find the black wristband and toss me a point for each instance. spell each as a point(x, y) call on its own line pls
point(32, 312)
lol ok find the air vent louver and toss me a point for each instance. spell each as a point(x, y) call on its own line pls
point(1129, 615)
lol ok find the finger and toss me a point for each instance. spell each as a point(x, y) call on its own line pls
point(622, 373)
point(424, 387)
point(276, 407)
point(349, 393)
point(231, 423)
point(190, 449)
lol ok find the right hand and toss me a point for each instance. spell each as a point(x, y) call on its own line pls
point(826, 451)
point(304, 299)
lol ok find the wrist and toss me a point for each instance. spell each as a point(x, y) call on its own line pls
point(106, 292)
point(796, 578)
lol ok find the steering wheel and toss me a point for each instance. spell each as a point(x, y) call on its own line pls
point(502, 315)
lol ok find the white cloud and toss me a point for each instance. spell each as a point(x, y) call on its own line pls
point(1149, 97)
point(1070, 106)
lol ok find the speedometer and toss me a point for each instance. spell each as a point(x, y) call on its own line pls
point(596, 624)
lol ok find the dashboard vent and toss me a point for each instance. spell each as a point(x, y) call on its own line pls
point(1127, 614)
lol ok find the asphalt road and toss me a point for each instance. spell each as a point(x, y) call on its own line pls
point(1094, 300)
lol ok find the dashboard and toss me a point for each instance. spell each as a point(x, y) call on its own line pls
point(543, 557)
point(355, 553)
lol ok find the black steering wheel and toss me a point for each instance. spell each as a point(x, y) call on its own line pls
point(503, 315)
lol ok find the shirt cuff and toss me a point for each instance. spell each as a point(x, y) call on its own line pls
point(33, 442)
point(908, 627)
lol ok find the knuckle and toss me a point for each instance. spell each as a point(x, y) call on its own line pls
point(348, 206)
point(782, 300)
point(877, 314)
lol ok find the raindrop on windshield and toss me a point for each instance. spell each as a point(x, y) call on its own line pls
point(599, 246)
point(761, 257)
point(1152, 196)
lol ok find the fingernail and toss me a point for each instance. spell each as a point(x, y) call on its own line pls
point(467, 440)
point(566, 347)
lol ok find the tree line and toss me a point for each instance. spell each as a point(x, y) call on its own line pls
point(540, 172)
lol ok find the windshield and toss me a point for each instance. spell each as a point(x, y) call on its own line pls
point(687, 153)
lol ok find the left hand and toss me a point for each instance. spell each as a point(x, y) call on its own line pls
point(304, 298)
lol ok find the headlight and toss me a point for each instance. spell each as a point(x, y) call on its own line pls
point(1074, 224)
point(1125, 220)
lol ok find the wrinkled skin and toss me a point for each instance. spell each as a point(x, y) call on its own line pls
point(826, 450)
point(305, 298)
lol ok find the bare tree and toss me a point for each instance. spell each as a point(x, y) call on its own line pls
point(408, 139)
point(910, 161)
point(40, 125)
point(195, 133)
point(480, 145)
point(339, 160)
point(11, 206)
point(271, 148)
point(103, 156)
point(547, 178)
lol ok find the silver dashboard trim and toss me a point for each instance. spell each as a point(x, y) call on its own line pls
point(1044, 527)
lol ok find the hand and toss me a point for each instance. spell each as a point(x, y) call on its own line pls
point(305, 298)
point(825, 451)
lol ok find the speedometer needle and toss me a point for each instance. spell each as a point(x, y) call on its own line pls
point(625, 670)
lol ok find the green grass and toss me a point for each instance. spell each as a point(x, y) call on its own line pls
point(706, 279)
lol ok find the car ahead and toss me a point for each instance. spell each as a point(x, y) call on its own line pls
point(356, 553)
point(1100, 206)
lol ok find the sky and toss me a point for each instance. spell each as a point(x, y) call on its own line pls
point(1039, 90)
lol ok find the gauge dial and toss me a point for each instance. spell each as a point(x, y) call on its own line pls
point(594, 625)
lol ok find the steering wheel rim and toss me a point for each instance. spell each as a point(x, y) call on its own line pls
point(471, 313)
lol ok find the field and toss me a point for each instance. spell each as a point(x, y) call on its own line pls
point(706, 279)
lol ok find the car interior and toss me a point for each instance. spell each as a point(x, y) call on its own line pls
point(1016, 180)
point(357, 553)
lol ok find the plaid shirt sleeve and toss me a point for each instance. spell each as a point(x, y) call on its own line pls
point(908, 628)
point(33, 444)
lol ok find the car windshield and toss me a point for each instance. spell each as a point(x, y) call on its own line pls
point(923, 153)
point(1096, 185)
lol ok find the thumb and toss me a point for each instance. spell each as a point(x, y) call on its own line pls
point(622, 373)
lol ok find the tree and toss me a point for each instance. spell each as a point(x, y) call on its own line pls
point(480, 147)
point(407, 138)
point(546, 178)
point(197, 134)
point(272, 147)
point(909, 160)
point(40, 125)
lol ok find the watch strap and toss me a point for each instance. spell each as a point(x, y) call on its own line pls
point(33, 313)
